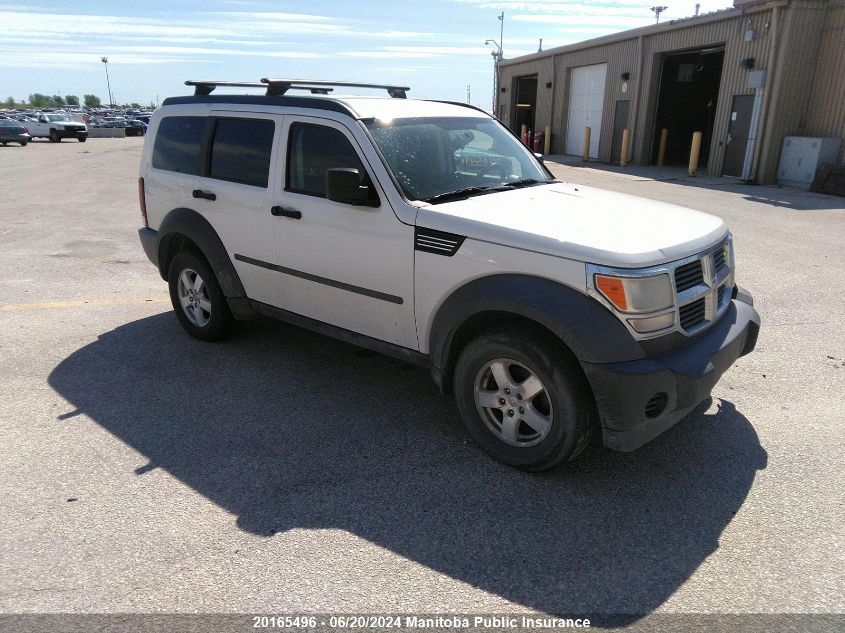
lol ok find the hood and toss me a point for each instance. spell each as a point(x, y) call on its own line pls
point(582, 223)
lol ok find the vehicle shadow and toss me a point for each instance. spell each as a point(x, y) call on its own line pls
point(289, 429)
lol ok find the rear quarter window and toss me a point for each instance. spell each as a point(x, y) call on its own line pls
point(177, 144)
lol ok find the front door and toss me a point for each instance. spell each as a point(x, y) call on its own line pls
point(349, 266)
point(738, 131)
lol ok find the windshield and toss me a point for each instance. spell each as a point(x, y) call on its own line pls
point(57, 117)
point(434, 156)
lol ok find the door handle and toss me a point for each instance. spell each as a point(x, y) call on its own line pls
point(205, 195)
point(288, 213)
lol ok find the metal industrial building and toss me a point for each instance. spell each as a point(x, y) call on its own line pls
point(746, 77)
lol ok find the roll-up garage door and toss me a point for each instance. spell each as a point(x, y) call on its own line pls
point(586, 100)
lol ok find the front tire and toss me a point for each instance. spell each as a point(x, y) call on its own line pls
point(82, 139)
point(23, 143)
point(54, 136)
point(197, 298)
point(524, 399)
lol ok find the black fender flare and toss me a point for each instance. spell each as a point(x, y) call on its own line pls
point(590, 331)
point(192, 225)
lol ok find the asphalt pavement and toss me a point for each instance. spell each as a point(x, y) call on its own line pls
point(282, 471)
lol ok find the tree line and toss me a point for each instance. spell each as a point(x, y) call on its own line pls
point(38, 100)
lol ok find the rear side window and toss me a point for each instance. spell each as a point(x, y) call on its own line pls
point(177, 145)
point(240, 151)
point(312, 151)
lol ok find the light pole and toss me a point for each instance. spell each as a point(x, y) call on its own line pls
point(105, 61)
point(657, 11)
point(497, 57)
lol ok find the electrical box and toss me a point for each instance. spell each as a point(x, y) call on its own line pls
point(802, 157)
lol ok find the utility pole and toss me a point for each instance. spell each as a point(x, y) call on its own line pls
point(469, 100)
point(105, 61)
point(657, 10)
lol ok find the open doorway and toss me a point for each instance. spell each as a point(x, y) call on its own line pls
point(689, 92)
point(525, 102)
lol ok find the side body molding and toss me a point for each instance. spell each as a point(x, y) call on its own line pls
point(586, 327)
point(192, 225)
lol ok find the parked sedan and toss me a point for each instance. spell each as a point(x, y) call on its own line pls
point(13, 132)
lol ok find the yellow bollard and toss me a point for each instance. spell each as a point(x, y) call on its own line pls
point(626, 141)
point(661, 152)
point(547, 145)
point(585, 153)
point(694, 152)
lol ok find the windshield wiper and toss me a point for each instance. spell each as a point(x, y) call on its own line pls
point(459, 194)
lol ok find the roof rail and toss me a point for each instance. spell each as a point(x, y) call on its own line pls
point(280, 86)
point(207, 87)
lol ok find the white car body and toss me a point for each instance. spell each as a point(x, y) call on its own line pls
point(378, 275)
point(47, 122)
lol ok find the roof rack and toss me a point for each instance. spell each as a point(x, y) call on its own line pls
point(280, 86)
point(207, 87)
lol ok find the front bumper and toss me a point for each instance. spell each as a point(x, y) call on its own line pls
point(72, 133)
point(637, 400)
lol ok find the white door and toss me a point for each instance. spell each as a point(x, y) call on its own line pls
point(237, 194)
point(586, 100)
point(347, 265)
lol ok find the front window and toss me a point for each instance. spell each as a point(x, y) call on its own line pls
point(312, 151)
point(435, 157)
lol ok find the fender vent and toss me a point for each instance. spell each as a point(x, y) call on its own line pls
point(437, 242)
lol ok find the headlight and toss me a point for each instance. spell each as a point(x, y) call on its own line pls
point(636, 294)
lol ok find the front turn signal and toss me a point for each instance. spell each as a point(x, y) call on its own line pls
point(614, 291)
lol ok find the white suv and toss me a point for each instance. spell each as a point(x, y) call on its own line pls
point(427, 231)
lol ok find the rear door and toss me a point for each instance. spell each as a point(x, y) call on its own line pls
point(235, 192)
point(349, 266)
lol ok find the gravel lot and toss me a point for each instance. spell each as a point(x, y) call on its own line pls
point(280, 471)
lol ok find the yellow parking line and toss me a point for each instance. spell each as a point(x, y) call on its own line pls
point(14, 307)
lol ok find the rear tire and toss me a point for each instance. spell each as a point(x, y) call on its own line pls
point(524, 399)
point(197, 298)
point(4, 143)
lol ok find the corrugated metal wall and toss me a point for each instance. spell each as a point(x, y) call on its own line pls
point(730, 32)
point(797, 33)
point(826, 114)
point(792, 81)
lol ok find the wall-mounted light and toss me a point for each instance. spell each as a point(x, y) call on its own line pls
point(504, 89)
point(625, 76)
point(747, 63)
point(548, 84)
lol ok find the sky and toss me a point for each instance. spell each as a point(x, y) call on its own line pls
point(434, 46)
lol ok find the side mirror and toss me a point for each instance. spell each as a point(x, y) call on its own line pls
point(539, 157)
point(348, 186)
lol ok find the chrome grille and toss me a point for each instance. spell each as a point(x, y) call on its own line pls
point(703, 284)
point(719, 261)
point(693, 313)
point(689, 275)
